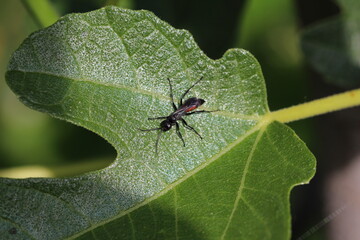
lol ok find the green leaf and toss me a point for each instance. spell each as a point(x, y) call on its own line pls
point(106, 71)
point(332, 46)
point(42, 11)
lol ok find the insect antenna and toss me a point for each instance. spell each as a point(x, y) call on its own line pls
point(158, 137)
point(187, 91)
point(147, 130)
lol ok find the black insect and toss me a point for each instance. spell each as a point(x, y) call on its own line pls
point(184, 109)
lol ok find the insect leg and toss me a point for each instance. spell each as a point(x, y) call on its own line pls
point(186, 92)
point(155, 118)
point(200, 111)
point(190, 128)
point(179, 133)
point(171, 96)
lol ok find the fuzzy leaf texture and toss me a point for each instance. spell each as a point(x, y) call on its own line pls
point(106, 70)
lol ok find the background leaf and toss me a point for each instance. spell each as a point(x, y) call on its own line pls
point(332, 46)
point(106, 71)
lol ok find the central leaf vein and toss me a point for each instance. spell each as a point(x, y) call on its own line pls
point(242, 182)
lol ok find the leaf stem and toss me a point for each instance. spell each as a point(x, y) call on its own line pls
point(42, 12)
point(316, 107)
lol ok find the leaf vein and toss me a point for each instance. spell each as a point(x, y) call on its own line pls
point(124, 45)
point(183, 63)
point(242, 182)
point(284, 159)
point(176, 215)
point(17, 226)
point(132, 226)
point(258, 216)
point(145, 92)
point(69, 205)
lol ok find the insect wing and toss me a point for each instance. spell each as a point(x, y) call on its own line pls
point(191, 104)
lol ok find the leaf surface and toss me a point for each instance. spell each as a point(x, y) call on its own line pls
point(106, 71)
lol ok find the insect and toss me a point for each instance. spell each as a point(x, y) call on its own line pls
point(184, 109)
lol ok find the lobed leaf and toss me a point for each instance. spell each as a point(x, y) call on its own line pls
point(106, 71)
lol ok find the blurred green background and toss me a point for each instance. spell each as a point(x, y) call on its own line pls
point(33, 144)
